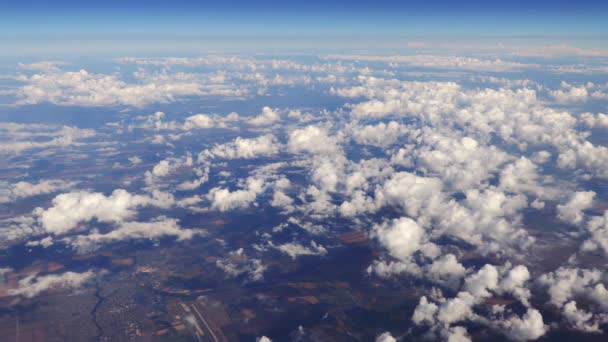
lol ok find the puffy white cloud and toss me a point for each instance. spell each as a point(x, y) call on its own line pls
point(312, 139)
point(82, 88)
point(572, 211)
point(225, 200)
point(418, 196)
point(262, 146)
point(514, 282)
point(528, 328)
point(157, 177)
point(71, 208)
point(381, 134)
point(599, 120)
point(294, 249)
point(597, 227)
point(198, 121)
point(385, 337)
point(487, 282)
point(566, 283)
point(456, 309)
point(16, 138)
point(480, 283)
point(32, 286)
point(462, 163)
point(135, 160)
point(267, 117)
point(237, 264)
point(446, 270)
point(402, 237)
point(522, 176)
point(425, 312)
point(512, 117)
point(441, 61)
point(155, 229)
point(458, 334)
point(263, 339)
point(580, 319)
point(569, 93)
point(42, 66)
point(11, 192)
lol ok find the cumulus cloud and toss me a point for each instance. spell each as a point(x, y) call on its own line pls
point(71, 208)
point(262, 146)
point(312, 139)
point(440, 61)
point(567, 283)
point(597, 227)
point(402, 237)
point(487, 282)
point(580, 319)
point(267, 117)
point(385, 337)
point(599, 120)
point(237, 264)
point(12, 192)
point(154, 229)
point(294, 249)
point(572, 211)
point(32, 286)
point(224, 200)
point(198, 121)
point(381, 134)
point(569, 93)
point(529, 327)
point(16, 138)
point(83, 88)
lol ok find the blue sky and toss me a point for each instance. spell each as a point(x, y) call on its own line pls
point(271, 17)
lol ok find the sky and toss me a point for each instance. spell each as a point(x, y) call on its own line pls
point(270, 17)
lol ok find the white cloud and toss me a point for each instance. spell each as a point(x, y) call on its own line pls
point(597, 227)
point(267, 117)
point(572, 211)
point(198, 121)
point(32, 286)
point(580, 319)
point(12, 192)
point(458, 334)
point(294, 249)
point(385, 337)
point(446, 270)
point(566, 283)
point(381, 134)
point(71, 208)
point(425, 312)
point(45, 66)
point(16, 138)
point(569, 93)
point(262, 146)
point(528, 328)
point(441, 61)
point(402, 237)
point(312, 139)
point(82, 88)
point(599, 120)
point(225, 200)
point(155, 229)
point(237, 263)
